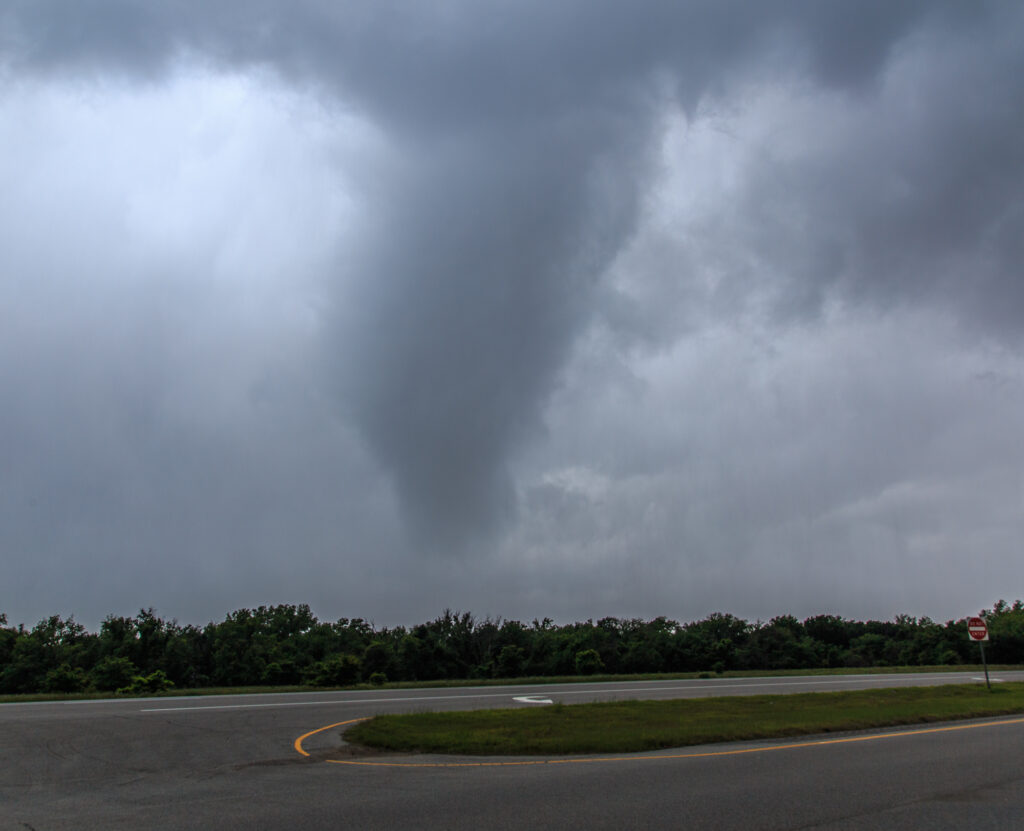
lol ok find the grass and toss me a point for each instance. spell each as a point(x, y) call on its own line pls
point(630, 726)
point(95, 695)
point(502, 682)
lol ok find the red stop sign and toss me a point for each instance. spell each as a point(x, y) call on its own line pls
point(977, 629)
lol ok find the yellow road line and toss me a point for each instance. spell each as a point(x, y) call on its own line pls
point(637, 757)
point(297, 744)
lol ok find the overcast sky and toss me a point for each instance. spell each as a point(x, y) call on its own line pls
point(565, 309)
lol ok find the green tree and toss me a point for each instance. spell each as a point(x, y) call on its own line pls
point(336, 671)
point(378, 657)
point(51, 643)
point(65, 678)
point(510, 662)
point(1006, 630)
point(588, 662)
point(112, 673)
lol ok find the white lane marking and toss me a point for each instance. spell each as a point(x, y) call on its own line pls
point(803, 682)
point(532, 699)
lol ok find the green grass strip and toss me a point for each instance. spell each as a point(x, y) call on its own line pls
point(631, 726)
point(20, 698)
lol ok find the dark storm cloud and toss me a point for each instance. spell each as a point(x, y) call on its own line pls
point(918, 197)
point(523, 141)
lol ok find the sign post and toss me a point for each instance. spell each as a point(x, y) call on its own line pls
point(978, 631)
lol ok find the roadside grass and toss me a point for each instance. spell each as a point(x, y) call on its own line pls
point(533, 680)
point(633, 726)
point(97, 695)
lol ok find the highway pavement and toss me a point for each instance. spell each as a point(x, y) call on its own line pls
point(240, 762)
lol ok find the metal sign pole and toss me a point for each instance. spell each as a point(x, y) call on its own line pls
point(981, 645)
point(977, 630)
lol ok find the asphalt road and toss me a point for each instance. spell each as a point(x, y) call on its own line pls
point(230, 762)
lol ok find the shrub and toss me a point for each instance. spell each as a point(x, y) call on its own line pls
point(113, 673)
point(280, 672)
point(65, 678)
point(157, 681)
point(378, 679)
point(338, 671)
point(588, 661)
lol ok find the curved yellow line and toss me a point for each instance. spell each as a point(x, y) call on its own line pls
point(297, 744)
point(634, 758)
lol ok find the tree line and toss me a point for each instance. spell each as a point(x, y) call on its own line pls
point(288, 645)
